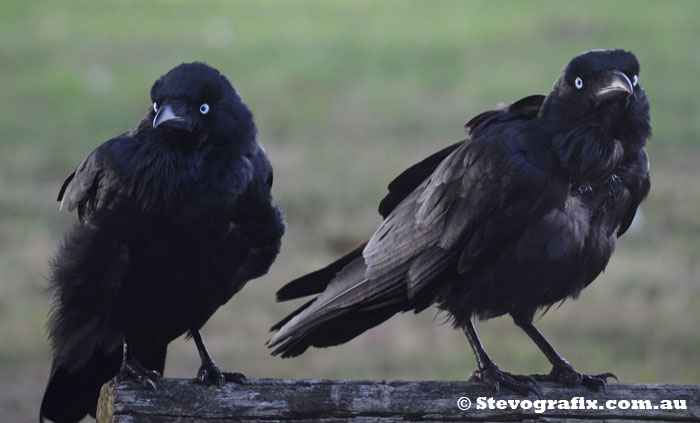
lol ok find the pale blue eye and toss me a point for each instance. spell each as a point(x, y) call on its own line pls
point(635, 80)
point(579, 83)
point(155, 107)
point(204, 109)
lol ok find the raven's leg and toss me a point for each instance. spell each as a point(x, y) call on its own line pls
point(490, 374)
point(132, 369)
point(562, 371)
point(208, 373)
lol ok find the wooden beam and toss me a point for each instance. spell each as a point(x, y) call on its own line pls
point(291, 401)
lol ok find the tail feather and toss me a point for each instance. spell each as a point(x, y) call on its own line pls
point(284, 321)
point(86, 276)
point(316, 282)
point(336, 330)
point(348, 306)
point(70, 396)
point(71, 392)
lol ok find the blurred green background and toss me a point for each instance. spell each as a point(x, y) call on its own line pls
point(346, 95)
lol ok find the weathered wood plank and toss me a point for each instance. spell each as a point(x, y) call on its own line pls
point(326, 401)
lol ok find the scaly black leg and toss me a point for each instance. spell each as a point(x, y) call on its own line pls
point(490, 374)
point(562, 371)
point(208, 373)
point(131, 369)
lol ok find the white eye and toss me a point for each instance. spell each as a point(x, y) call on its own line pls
point(635, 80)
point(155, 107)
point(204, 108)
point(579, 83)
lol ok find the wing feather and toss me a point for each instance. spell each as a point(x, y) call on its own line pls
point(635, 176)
point(476, 199)
point(92, 185)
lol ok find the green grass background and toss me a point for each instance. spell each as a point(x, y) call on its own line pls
point(346, 95)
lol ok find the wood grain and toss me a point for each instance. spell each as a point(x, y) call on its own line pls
point(289, 401)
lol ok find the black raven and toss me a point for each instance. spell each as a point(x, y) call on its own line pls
point(521, 215)
point(175, 216)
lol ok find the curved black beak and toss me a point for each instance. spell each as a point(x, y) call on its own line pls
point(615, 85)
point(173, 115)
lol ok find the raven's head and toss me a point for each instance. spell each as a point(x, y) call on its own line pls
point(200, 103)
point(598, 95)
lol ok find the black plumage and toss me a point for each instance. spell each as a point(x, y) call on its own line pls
point(175, 216)
point(522, 214)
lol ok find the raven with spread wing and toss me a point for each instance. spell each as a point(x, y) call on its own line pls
point(521, 215)
point(175, 216)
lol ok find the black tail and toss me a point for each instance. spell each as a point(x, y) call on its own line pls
point(313, 283)
point(335, 331)
point(348, 304)
point(316, 282)
point(69, 396)
point(87, 351)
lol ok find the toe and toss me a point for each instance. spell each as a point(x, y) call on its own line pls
point(541, 377)
point(495, 378)
point(210, 375)
point(202, 376)
point(235, 378)
point(606, 376)
point(568, 376)
point(149, 383)
point(132, 370)
point(598, 382)
point(524, 385)
point(486, 376)
point(594, 383)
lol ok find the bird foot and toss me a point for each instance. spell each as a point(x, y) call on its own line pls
point(567, 376)
point(491, 375)
point(209, 374)
point(134, 371)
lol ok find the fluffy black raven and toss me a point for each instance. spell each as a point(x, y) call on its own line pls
point(521, 215)
point(175, 216)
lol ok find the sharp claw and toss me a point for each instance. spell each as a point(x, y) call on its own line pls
point(527, 384)
point(496, 378)
point(536, 389)
point(533, 381)
point(235, 377)
point(606, 376)
point(210, 376)
point(148, 383)
point(594, 383)
point(603, 386)
point(133, 370)
point(566, 375)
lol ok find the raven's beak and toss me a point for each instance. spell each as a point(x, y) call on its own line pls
point(173, 118)
point(616, 86)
